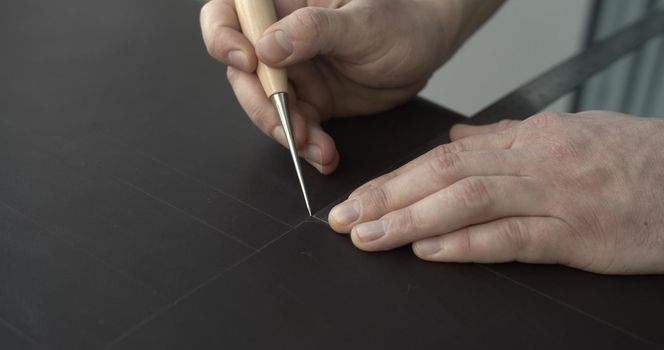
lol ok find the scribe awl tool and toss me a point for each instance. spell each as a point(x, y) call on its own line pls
point(255, 17)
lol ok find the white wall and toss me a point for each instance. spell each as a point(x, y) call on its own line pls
point(523, 39)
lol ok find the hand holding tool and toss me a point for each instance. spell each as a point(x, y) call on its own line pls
point(255, 17)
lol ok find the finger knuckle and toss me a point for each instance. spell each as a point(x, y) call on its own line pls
point(206, 10)
point(260, 116)
point(516, 234)
point(505, 124)
point(217, 44)
point(213, 45)
point(377, 198)
point(453, 147)
point(544, 119)
point(465, 245)
point(472, 192)
point(402, 221)
point(373, 184)
point(444, 163)
point(311, 20)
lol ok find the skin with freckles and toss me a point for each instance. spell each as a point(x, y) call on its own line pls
point(343, 57)
point(584, 190)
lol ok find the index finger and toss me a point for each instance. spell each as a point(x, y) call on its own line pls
point(497, 141)
point(223, 37)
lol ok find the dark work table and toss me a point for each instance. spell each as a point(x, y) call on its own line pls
point(141, 209)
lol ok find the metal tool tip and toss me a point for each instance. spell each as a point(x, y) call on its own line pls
point(280, 101)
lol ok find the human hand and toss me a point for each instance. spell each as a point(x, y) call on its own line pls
point(584, 190)
point(343, 57)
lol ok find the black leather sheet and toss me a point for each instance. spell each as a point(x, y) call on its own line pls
point(139, 208)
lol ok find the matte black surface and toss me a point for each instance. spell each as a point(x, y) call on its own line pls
point(139, 208)
point(150, 239)
point(14, 339)
point(632, 303)
point(324, 294)
point(60, 296)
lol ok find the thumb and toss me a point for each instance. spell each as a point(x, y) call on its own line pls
point(302, 35)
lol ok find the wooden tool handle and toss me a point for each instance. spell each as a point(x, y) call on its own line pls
point(255, 16)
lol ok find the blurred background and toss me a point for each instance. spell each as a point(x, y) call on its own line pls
point(527, 37)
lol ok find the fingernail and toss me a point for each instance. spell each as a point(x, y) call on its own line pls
point(428, 247)
point(370, 231)
point(276, 46)
point(346, 213)
point(313, 153)
point(237, 59)
point(318, 167)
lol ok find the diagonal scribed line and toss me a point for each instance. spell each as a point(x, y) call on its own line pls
point(319, 219)
point(153, 158)
point(166, 166)
point(167, 307)
point(546, 88)
point(572, 307)
point(158, 199)
point(520, 101)
point(83, 251)
point(214, 188)
point(265, 246)
point(191, 216)
point(204, 284)
point(511, 102)
point(272, 241)
point(20, 333)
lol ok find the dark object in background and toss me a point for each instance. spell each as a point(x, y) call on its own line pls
point(634, 84)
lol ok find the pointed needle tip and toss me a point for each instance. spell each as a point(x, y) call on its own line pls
point(280, 101)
